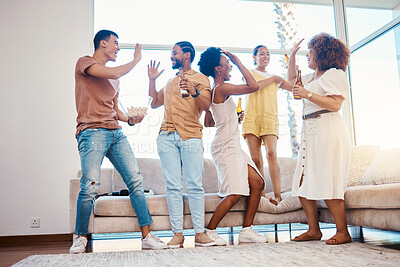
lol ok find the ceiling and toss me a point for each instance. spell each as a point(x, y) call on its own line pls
point(375, 4)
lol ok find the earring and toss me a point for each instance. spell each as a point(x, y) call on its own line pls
point(219, 72)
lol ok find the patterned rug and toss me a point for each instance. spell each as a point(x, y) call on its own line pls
point(314, 253)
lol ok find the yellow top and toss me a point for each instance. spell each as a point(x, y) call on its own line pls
point(261, 112)
point(263, 102)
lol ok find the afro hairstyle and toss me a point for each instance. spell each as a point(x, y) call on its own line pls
point(209, 59)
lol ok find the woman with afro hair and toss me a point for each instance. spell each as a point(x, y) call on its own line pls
point(238, 176)
point(324, 154)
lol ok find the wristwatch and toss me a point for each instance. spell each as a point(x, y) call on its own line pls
point(129, 123)
point(309, 95)
point(197, 94)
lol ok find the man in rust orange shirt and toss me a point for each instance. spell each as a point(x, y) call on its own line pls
point(99, 134)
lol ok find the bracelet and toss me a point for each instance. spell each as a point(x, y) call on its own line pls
point(197, 94)
point(129, 123)
point(279, 84)
point(309, 95)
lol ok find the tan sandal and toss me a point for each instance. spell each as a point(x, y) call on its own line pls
point(336, 241)
point(305, 237)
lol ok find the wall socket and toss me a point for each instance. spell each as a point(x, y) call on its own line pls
point(35, 222)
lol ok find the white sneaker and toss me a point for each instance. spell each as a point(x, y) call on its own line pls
point(212, 234)
point(78, 245)
point(153, 242)
point(248, 235)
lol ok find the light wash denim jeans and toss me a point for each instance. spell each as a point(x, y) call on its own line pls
point(93, 145)
point(177, 156)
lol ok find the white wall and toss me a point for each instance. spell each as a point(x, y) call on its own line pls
point(40, 43)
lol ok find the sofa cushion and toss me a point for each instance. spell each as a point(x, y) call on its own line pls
point(384, 168)
point(288, 203)
point(121, 206)
point(287, 166)
point(157, 204)
point(210, 177)
point(361, 158)
point(153, 178)
point(385, 196)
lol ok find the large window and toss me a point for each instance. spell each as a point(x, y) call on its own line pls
point(375, 75)
point(235, 25)
point(364, 21)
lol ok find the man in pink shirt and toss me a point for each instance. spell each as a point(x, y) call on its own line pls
point(99, 134)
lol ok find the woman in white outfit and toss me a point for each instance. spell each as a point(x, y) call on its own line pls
point(237, 174)
point(324, 154)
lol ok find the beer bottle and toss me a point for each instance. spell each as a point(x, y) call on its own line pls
point(298, 82)
point(184, 92)
point(287, 58)
point(239, 110)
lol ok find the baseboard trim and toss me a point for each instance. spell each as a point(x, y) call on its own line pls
point(23, 240)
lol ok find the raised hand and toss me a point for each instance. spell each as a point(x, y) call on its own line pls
point(296, 47)
point(152, 70)
point(234, 59)
point(138, 53)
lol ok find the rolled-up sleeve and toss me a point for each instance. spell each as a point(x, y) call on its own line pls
point(160, 96)
point(203, 101)
point(84, 63)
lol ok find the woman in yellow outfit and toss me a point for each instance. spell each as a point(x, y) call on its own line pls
point(260, 124)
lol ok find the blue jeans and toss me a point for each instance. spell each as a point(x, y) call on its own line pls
point(93, 145)
point(177, 155)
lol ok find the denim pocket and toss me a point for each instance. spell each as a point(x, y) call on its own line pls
point(81, 146)
point(162, 146)
point(193, 145)
point(81, 141)
point(93, 139)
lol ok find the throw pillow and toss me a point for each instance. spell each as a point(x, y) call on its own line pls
point(384, 169)
point(361, 158)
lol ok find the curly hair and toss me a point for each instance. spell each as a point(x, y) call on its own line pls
point(209, 59)
point(329, 52)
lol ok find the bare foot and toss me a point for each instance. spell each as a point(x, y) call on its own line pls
point(338, 239)
point(275, 200)
point(308, 236)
